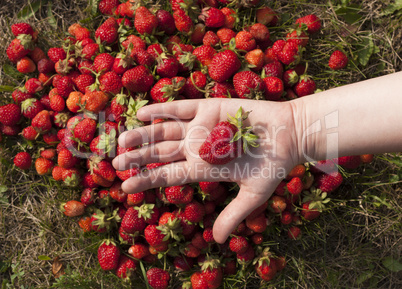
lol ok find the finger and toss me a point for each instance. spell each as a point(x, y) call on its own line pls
point(237, 210)
point(169, 130)
point(173, 174)
point(182, 109)
point(162, 152)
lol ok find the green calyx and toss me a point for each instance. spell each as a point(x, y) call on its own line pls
point(317, 199)
point(244, 134)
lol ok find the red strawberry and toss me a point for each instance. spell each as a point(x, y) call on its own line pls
point(33, 85)
point(255, 59)
point(297, 171)
point(102, 168)
point(154, 236)
point(277, 204)
point(65, 86)
point(85, 224)
point(103, 63)
point(66, 159)
point(290, 78)
point(167, 67)
point(31, 107)
point(212, 17)
point(95, 101)
point(298, 37)
point(266, 16)
point(230, 17)
point(45, 65)
point(273, 88)
point(42, 122)
point(289, 53)
point(126, 267)
point(158, 278)
point(348, 162)
point(19, 47)
point(219, 148)
point(138, 79)
point(205, 54)
point(132, 221)
point(211, 271)
point(266, 268)
point(312, 21)
point(295, 186)
point(23, 160)
point(329, 182)
point(107, 32)
point(248, 84)
point(338, 60)
point(29, 133)
point(165, 22)
point(139, 250)
point(223, 65)
point(57, 103)
point(43, 166)
point(26, 65)
point(238, 244)
point(22, 28)
point(108, 255)
point(294, 233)
point(305, 86)
point(179, 194)
point(274, 68)
point(73, 208)
point(245, 41)
point(210, 38)
point(257, 224)
point(194, 212)
point(48, 153)
point(20, 94)
point(108, 7)
point(85, 130)
point(56, 53)
point(145, 21)
point(10, 114)
point(182, 21)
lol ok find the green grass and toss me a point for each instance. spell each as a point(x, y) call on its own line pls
point(356, 242)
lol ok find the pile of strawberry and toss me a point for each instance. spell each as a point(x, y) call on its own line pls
point(80, 96)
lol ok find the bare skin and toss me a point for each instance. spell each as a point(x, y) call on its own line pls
point(354, 119)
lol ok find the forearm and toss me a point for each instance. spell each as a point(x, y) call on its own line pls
point(359, 118)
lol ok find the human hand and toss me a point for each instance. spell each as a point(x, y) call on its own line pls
point(178, 140)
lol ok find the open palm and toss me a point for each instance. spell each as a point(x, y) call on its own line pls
point(178, 140)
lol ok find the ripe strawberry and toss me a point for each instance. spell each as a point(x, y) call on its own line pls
point(29, 133)
point(165, 22)
point(290, 78)
point(85, 224)
point(102, 168)
point(45, 65)
point(33, 85)
point(255, 59)
point(95, 101)
point(277, 204)
point(289, 53)
point(108, 7)
point(23, 160)
point(132, 221)
point(107, 31)
point(205, 54)
point(211, 271)
point(103, 63)
point(348, 162)
point(305, 86)
point(266, 268)
point(138, 79)
point(85, 130)
point(19, 47)
point(298, 37)
point(259, 32)
point(182, 21)
point(312, 21)
point(294, 233)
point(295, 186)
point(145, 21)
point(57, 103)
point(194, 212)
point(139, 250)
point(48, 154)
point(227, 140)
point(329, 182)
point(20, 94)
point(56, 53)
point(238, 244)
point(179, 194)
point(31, 107)
point(273, 88)
point(10, 114)
point(212, 17)
point(126, 267)
point(42, 122)
point(73, 208)
point(167, 67)
point(225, 35)
point(245, 41)
point(273, 68)
point(266, 16)
point(43, 166)
point(210, 38)
point(248, 84)
point(230, 17)
point(338, 60)
point(110, 82)
point(83, 81)
point(108, 255)
point(154, 236)
point(158, 278)
point(66, 159)
point(297, 171)
point(257, 224)
point(22, 28)
point(223, 65)
point(366, 158)
point(26, 65)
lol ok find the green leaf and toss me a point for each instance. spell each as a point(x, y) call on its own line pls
point(3, 189)
point(349, 13)
point(12, 72)
point(390, 9)
point(50, 17)
point(29, 10)
point(365, 50)
point(391, 264)
point(6, 88)
point(93, 4)
point(363, 277)
point(44, 258)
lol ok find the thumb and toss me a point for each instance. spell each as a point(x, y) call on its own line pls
point(237, 210)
